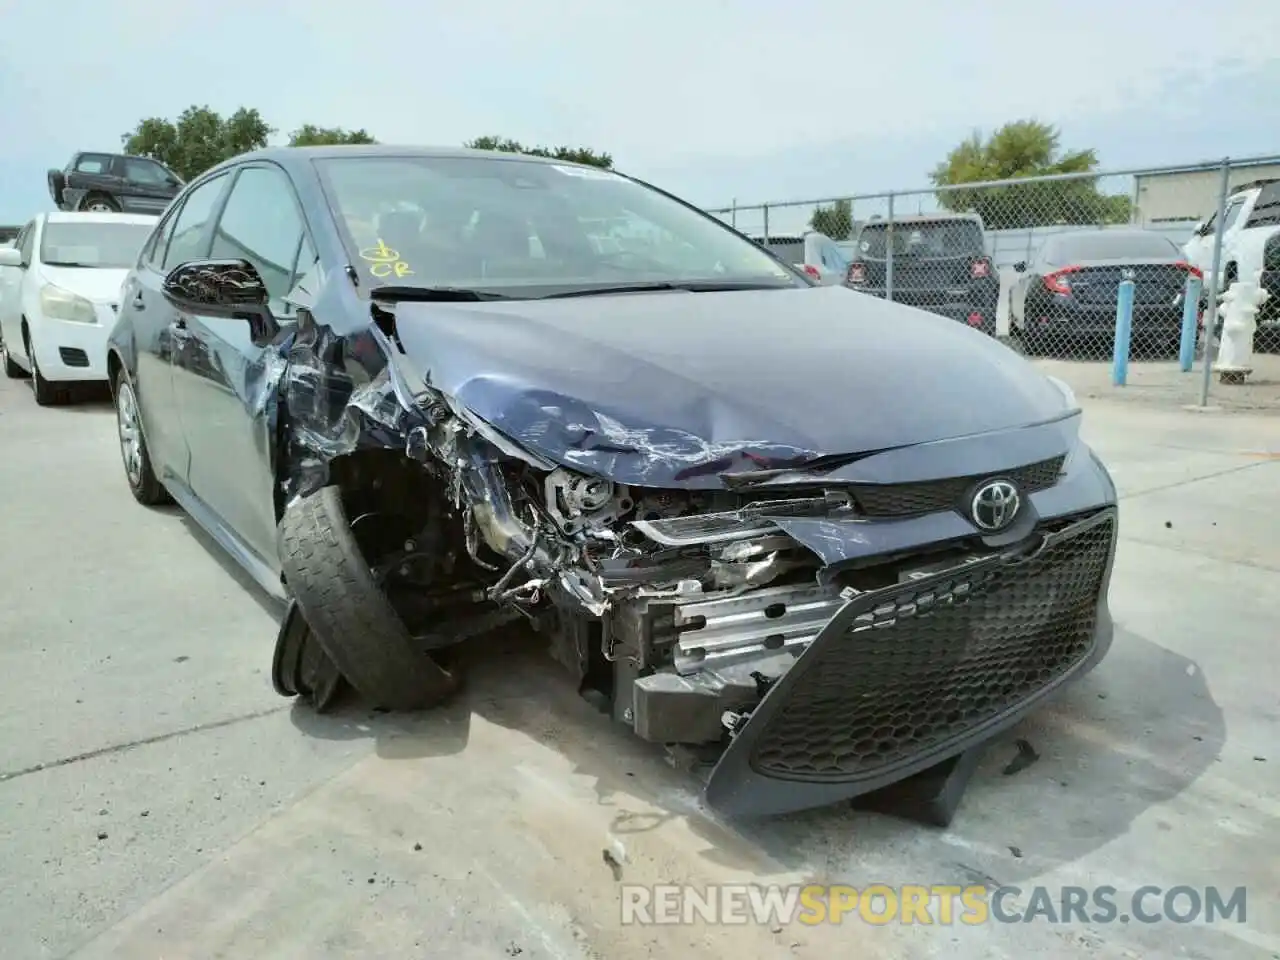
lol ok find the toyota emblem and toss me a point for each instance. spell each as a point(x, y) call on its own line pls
point(995, 505)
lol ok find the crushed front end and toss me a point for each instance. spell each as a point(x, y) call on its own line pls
point(822, 633)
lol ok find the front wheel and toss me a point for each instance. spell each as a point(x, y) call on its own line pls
point(46, 393)
point(350, 616)
point(11, 369)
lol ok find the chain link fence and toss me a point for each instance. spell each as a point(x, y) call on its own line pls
point(1107, 278)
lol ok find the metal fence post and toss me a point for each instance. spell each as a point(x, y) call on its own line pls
point(888, 254)
point(1124, 333)
point(1211, 314)
point(765, 208)
point(1190, 313)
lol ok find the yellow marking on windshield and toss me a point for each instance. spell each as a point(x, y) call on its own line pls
point(384, 261)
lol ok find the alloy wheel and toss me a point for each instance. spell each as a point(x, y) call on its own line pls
point(130, 434)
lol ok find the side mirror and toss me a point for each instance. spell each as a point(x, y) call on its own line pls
point(10, 257)
point(223, 288)
point(1198, 229)
point(1020, 266)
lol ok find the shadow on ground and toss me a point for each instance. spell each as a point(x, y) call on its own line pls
point(1136, 732)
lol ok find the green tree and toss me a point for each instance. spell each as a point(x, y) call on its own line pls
point(309, 135)
point(569, 154)
point(1026, 148)
point(836, 220)
point(200, 138)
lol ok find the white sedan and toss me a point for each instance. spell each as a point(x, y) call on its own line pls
point(59, 293)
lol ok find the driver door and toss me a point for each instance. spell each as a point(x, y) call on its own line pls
point(224, 381)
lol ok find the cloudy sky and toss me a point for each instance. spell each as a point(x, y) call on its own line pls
point(712, 99)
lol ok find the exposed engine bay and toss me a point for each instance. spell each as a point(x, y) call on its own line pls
point(817, 624)
point(680, 607)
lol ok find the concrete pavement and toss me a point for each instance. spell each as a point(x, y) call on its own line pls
point(159, 800)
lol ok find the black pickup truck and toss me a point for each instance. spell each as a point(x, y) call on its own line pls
point(113, 181)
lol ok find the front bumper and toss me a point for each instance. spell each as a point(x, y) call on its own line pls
point(69, 351)
point(905, 677)
point(808, 678)
point(1100, 321)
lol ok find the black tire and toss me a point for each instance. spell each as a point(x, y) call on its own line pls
point(46, 393)
point(140, 476)
point(349, 615)
point(11, 369)
point(100, 202)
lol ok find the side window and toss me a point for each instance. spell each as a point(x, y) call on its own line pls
point(154, 252)
point(1266, 209)
point(93, 163)
point(261, 224)
point(138, 170)
point(190, 238)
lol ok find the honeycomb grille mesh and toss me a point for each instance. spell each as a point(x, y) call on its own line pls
point(912, 499)
point(932, 663)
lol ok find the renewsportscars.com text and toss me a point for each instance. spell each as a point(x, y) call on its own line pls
point(880, 904)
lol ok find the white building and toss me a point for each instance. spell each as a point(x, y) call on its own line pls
point(1190, 194)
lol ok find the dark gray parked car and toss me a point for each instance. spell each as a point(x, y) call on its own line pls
point(830, 539)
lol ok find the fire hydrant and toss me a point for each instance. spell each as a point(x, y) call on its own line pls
point(1239, 312)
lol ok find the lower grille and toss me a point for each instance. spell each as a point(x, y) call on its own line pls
point(73, 356)
point(936, 661)
point(911, 499)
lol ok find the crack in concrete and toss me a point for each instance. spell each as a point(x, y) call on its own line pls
point(142, 742)
point(1184, 483)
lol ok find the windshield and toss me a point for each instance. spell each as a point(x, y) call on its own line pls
point(939, 238)
point(527, 229)
point(93, 243)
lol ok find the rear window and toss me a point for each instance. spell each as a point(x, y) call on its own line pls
point(940, 238)
point(1109, 246)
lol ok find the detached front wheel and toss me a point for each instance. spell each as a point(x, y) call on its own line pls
point(349, 615)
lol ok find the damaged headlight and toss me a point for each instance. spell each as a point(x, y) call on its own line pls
point(576, 501)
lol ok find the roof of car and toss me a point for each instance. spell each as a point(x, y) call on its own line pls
point(77, 216)
point(921, 218)
point(286, 156)
point(1105, 232)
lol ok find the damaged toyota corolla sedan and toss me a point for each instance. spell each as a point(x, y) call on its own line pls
point(831, 540)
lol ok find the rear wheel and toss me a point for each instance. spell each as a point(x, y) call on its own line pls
point(350, 616)
point(143, 484)
point(100, 203)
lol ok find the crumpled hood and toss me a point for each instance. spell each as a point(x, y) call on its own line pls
point(671, 389)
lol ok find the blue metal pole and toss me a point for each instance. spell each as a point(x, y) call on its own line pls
point(1190, 314)
point(1124, 329)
